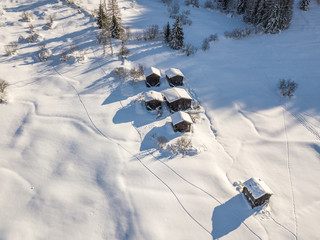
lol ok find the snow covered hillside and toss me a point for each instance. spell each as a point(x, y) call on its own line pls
point(79, 157)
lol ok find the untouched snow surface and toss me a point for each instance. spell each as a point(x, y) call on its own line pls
point(78, 150)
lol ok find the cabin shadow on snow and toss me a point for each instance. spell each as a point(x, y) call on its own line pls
point(228, 217)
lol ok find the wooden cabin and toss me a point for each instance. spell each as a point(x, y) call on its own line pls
point(181, 122)
point(256, 191)
point(175, 77)
point(153, 100)
point(153, 77)
point(177, 98)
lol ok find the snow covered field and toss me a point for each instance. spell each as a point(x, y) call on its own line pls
point(78, 151)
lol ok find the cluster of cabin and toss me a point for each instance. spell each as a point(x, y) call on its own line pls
point(176, 98)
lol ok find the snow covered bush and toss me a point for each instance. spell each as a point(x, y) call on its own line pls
point(121, 73)
point(50, 19)
point(174, 9)
point(213, 37)
point(27, 16)
point(3, 85)
point(167, 2)
point(238, 33)
point(183, 146)
point(123, 52)
point(287, 87)
point(205, 45)
point(33, 36)
point(44, 53)
point(189, 50)
point(11, 48)
point(209, 4)
point(151, 32)
point(184, 18)
point(137, 73)
point(162, 141)
point(193, 3)
point(65, 56)
point(304, 5)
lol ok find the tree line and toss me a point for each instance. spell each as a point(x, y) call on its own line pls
point(271, 16)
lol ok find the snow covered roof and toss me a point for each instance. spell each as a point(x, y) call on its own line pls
point(172, 72)
point(152, 70)
point(175, 93)
point(178, 117)
point(153, 95)
point(257, 187)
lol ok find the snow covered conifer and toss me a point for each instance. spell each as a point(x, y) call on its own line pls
point(177, 37)
point(167, 33)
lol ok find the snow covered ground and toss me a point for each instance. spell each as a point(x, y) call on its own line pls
point(78, 150)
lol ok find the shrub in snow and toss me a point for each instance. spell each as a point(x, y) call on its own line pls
point(183, 146)
point(44, 53)
point(167, 2)
point(287, 87)
point(151, 32)
point(193, 3)
point(205, 45)
point(213, 37)
point(209, 4)
point(33, 36)
point(238, 33)
point(51, 19)
point(11, 48)
point(174, 9)
point(123, 52)
point(138, 36)
point(162, 141)
point(27, 16)
point(126, 35)
point(189, 50)
point(184, 19)
point(121, 73)
point(137, 73)
point(304, 5)
point(65, 56)
point(3, 85)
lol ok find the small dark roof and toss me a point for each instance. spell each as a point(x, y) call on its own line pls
point(153, 70)
point(179, 117)
point(175, 93)
point(153, 95)
point(257, 187)
point(172, 72)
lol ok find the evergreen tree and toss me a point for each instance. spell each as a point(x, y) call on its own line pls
point(222, 5)
point(241, 6)
point(116, 26)
point(167, 33)
point(177, 37)
point(278, 15)
point(304, 5)
point(102, 17)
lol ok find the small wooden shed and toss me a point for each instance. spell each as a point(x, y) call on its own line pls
point(153, 77)
point(177, 98)
point(175, 77)
point(256, 191)
point(181, 122)
point(153, 100)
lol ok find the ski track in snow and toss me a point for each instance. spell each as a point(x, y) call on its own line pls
point(289, 172)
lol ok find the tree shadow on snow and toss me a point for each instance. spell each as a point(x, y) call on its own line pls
point(228, 217)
